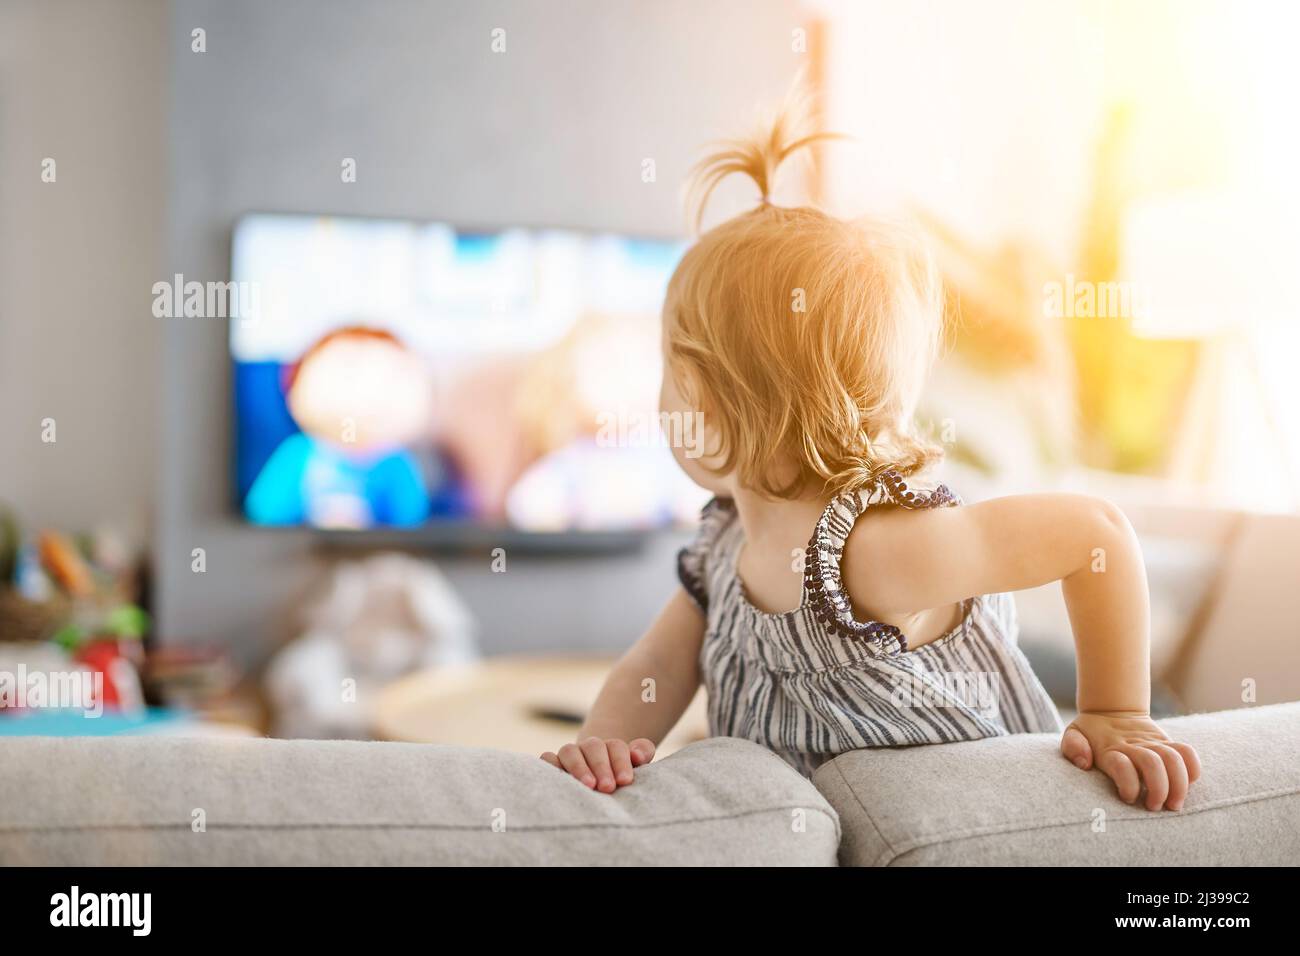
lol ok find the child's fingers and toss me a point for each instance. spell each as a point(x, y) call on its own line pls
point(1177, 774)
point(620, 761)
point(1190, 758)
point(1120, 769)
point(552, 759)
point(597, 754)
point(1076, 749)
point(572, 760)
point(1152, 768)
point(643, 751)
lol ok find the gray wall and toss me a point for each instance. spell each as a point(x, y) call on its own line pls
point(85, 85)
point(553, 131)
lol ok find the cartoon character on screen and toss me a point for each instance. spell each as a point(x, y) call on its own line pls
point(361, 399)
point(585, 408)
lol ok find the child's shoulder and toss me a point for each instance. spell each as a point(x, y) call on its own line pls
point(912, 555)
point(890, 531)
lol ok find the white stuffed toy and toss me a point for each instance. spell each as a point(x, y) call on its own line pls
point(378, 619)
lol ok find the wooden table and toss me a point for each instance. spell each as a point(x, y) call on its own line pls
point(524, 704)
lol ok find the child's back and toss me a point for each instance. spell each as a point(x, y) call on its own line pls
point(823, 677)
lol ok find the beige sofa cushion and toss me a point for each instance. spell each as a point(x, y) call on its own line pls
point(133, 800)
point(1015, 801)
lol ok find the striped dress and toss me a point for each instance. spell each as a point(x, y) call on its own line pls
point(815, 682)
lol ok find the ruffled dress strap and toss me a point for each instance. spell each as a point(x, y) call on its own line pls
point(693, 563)
point(822, 578)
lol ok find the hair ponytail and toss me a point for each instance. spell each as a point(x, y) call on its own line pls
point(758, 156)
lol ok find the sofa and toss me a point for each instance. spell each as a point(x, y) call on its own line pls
point(1002, 801)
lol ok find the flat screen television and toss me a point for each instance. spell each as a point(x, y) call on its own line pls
point(404, 376)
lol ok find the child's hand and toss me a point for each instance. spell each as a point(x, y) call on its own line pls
point(1134, 752)
point(603, 765)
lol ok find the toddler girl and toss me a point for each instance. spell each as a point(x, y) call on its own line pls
point(829, 601)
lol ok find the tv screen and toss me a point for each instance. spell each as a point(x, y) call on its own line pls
point(392, 374)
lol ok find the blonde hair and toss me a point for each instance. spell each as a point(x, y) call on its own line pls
point(831, 389)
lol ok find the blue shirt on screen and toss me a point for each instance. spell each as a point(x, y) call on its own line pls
point(312, 482)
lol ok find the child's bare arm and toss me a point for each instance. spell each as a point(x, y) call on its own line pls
point(630, 717)
point(915, 560)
